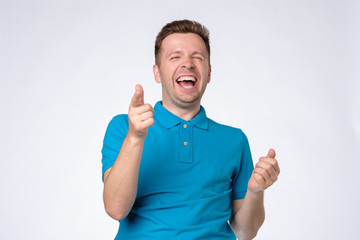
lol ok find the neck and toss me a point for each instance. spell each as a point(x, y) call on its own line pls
point(185, 113)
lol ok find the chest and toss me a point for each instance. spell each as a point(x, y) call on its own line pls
point(187, 162)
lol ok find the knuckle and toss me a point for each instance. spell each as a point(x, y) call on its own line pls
point(269, 168)
point(150, 114)
point(147, 107)
point(257, 176)
point(262, 171)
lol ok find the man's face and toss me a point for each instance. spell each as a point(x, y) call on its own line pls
point(183, 70)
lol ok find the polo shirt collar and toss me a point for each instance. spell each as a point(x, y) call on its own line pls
point(169, 120)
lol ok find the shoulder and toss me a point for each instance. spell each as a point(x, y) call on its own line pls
point(119, 120)
point(226, 129)
point(231, 136)
point(118, 123)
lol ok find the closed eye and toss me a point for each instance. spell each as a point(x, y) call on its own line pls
point(198, 58)
point(174, 57)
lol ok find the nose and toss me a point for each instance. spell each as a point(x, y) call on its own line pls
point(188, 64)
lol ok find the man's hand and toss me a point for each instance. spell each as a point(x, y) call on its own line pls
point(140, 115)
point(265, 173)
point(248, 214)
point(121, 180)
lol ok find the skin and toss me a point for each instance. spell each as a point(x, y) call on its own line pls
point(248, 214)
point(120, 181)
point(181, 54)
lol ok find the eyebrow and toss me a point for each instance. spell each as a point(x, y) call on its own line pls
point(175, 52)
point(199, 53)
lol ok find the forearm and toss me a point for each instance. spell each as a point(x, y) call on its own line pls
point(248, 220)
point(120, 184)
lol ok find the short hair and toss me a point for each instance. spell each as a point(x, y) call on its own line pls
point(181, 26)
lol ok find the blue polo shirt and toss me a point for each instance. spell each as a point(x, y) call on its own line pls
point(189, 173)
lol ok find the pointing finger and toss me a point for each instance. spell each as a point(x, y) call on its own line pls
point(138, 98)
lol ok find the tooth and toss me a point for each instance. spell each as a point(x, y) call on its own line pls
point(186, 78)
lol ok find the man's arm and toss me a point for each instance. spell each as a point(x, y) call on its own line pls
point(121, 180)
point(248, 214)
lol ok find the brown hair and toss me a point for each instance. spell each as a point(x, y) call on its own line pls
point(181, 26)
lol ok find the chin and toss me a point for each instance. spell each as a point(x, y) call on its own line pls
point(188, 103)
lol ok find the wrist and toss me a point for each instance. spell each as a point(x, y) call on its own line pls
point(135, 139)
point(255, 194)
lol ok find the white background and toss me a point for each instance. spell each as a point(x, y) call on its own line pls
point(286, 72)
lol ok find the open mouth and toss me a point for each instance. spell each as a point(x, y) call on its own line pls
point(187, 82)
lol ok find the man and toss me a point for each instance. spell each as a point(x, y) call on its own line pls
point(172, 173)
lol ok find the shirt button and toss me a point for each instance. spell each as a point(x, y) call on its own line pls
point(185, 126)
point(185, 143)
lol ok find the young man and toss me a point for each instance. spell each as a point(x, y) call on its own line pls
point(172, 173)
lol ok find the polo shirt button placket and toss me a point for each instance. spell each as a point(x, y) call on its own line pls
point(186, 140)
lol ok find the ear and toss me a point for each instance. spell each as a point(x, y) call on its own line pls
point(156, 72)
point(209, 74)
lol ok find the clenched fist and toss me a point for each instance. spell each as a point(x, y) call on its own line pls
point(265, 173)
point(140, 115)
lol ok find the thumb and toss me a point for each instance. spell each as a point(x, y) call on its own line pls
point(138, 98)
point(271, 153)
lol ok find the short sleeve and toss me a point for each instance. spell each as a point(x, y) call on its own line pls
point(114, 137)
point(246, 168)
